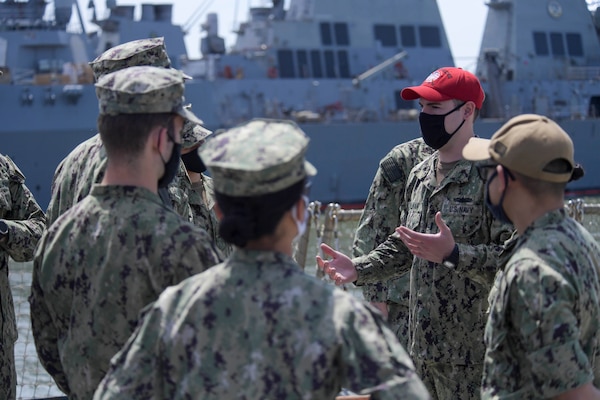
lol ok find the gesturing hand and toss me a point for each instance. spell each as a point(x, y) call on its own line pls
point(432, 247)
point(340, 268)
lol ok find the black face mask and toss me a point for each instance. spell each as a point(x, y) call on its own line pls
point(172, 165)
point(496, 209)
point(193, 162)
point(433, 129)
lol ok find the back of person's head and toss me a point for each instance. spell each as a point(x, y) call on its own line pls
point(448, 83)
point(259, 172)
point(534, 147)
point(150, 52)
point(134, 100)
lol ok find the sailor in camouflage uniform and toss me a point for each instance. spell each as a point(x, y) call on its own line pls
point(197, 185)
point(257, 326)
point(22, 223)
point(543, 332)
point(115, 251)
point(381, 215)
point(448, 240)
point(85, 165)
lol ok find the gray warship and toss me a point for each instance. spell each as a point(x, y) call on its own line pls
point(335, 66)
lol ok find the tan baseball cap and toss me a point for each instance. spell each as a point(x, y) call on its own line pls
point(529, 144)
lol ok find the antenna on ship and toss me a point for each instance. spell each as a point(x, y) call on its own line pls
point(196, 15)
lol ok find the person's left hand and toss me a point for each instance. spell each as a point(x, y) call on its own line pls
point(340, 268)
point(432, 247)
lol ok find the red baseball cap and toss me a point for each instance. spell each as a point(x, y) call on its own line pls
point(447, 83)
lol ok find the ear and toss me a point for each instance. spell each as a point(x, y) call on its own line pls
point(162, 141)
point(502, 181)
point(469, 109)
point(300, 208)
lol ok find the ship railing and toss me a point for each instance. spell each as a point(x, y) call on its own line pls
point(583, 73)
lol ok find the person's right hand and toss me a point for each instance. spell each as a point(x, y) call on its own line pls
point(340, 268)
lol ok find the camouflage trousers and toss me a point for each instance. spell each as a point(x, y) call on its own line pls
point(451, 382)
point(8, 375)
point(398, 321)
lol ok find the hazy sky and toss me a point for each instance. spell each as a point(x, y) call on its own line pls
point(464, 41)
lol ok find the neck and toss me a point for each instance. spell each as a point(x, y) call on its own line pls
point(452, 151)
point(128, 175)
point(267, 244)
point(280, 241)
point(526, 209)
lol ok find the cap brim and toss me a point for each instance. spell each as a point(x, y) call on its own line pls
point(477, 149)
point(425, 92)
point(205, 132)
point(309, 169)
point(189, 115)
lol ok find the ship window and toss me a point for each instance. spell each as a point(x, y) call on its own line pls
point(408, 37)
point(574, 44)
point(540, 43)
point(386, 35)
point(317, 66)
point(303, 67)
point(326, 34)
point(341, 34)
point(285, 59)
point(430, 36)
point(556, 44)
point(343, 64)
point(594, 108)
point(329, 64)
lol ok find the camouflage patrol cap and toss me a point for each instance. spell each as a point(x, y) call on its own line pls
point(192, 133)
point(150, 51)
point(143, 90)
point(529, 144)
point(258, 157)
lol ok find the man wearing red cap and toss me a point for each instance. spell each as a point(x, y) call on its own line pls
point(452, 261)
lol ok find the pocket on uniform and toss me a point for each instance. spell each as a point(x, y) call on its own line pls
point(463, 219)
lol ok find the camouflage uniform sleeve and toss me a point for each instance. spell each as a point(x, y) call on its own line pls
point(381, 214)
point(481, 262)
point(379, 218)
point(74, 177)
point(25, 219)
point(371, 346)
point(541, 311)
point(389, 260)
point(43, 329)
point(53, 210)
